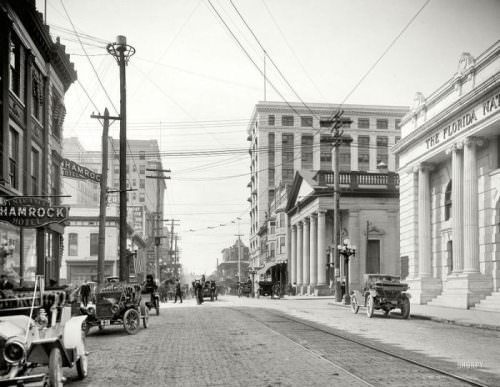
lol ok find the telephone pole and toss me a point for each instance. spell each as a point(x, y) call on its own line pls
point(336, 122)
point(159, 176)
point(101, 253)
point(172, 252)
point(122, 53)
point(239, 250)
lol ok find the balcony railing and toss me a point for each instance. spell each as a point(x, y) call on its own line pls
point(357, 179)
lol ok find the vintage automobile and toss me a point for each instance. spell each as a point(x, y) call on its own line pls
point(244, 289)
point(117, 303)
point(210, 290)
point(269, 288)
point(381, 291)
point(37, 330)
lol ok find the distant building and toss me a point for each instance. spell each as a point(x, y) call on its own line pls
point(286, 140)
point(143, 200)
point(34, 76)
point(450, 188)
point(228, 268)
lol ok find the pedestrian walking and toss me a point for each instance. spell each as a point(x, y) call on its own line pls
point(178, 291)
point(85, 293)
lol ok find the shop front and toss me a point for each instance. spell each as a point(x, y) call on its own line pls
point(31, 240)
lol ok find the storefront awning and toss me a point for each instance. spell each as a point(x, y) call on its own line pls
point(266, 267)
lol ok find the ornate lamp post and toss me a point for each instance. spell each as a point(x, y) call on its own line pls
point(252, 272)
point(347, 250)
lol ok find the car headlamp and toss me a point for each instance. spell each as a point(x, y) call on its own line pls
point(90, 310)
point(115, 308)
point(14, 351)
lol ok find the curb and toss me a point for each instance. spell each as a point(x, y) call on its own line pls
point(441, 320)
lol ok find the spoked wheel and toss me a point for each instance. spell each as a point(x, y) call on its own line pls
point(370, 308)
point(82, 366)
point(131, 321)
point(145, 318)
point(405, 308)
point(354, 305)
point(55, 368)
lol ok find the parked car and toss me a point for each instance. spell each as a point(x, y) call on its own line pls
point(37, 330)
point(210, 290)
point(116, 304)
point(381, 291)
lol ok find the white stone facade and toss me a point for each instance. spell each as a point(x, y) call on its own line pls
point(450, 186)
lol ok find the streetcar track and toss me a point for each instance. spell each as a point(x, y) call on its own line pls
point(315, 327)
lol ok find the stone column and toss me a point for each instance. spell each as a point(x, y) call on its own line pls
point(305, 254)
point(456, 207)
point(300, 232)
point(293, 258)
point(322, 280)
point(424, 221)
point(313, 244)
point(470, 203)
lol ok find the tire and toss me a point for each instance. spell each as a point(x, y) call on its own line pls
point(82, 365)
point(405, 308)
point(370, 306)
point(55, 368)
point(354, 305)
point(131, 321)
point(145, 318)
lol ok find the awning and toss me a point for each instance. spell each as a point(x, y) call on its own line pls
point(266, 267)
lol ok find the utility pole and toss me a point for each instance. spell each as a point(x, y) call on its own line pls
point(101, 253)
point(239, 250)
point(171, 251)
point(122, 53)
point(336, 122)
point(159, 176)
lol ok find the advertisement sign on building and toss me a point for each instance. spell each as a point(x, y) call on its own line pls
point(32, 212)
point(75, 171)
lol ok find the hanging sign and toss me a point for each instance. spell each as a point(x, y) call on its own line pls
point(75, 171)
point(32, 212)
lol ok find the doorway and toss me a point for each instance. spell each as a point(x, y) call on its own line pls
point(373, 257)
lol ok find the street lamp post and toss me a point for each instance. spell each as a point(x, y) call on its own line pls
point(347, 250)
point(252, 272)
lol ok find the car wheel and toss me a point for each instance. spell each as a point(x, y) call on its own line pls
point(55, 368)
point(145, 318)
point(131, 321)
point(354, 305)
point(370, 307)
point(405, 308)
point(82, 366)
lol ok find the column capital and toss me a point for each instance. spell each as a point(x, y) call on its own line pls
point(321, 212)
point(300, 224)
point(455, 147)
point(474, 141)
point(424, 167)
point(306, 220)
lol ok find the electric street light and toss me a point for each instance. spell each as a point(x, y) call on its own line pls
point(347, 250)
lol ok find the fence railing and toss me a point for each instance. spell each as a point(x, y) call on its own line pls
point(355, 179)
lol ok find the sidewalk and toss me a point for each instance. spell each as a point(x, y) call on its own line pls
point(463, 317)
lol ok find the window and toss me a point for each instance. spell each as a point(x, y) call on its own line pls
point(37, 95)
point(397, 123)
point(58, 113)
point(142, 183)
point(142, 155)
point(307, 152)
point(134, 168)
point(15, 66)
point(94, 244)
point(142, 169)
point(272, 227)
point(270, 149)
point(382, 152)
point(363, 153)
point(306, 121)
point(286, 120)
point(363, 123)
point(282, 245)
point(287, 156)
point(271, 119)
point(55, 180)
point(447, 202)
point(404, 267)
point(325, 154)
point(382, 123)
point(142, 198)
point(287, 174)
point(13, 159)
point(35, 171)
point(72, 244)
point(117, 169)
point(325, 122)
point(344, 157)
point(134, 183)
point(271, 177)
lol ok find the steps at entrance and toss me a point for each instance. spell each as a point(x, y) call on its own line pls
point(490, 303)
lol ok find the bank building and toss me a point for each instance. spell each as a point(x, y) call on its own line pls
point(449, 158)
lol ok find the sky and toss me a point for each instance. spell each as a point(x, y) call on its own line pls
point(192, 87)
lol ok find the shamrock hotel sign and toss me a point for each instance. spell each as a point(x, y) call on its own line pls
point(32, 212)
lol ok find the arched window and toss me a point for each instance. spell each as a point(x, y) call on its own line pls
point(447, 202)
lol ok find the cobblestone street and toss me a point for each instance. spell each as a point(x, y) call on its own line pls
point(250, 342)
